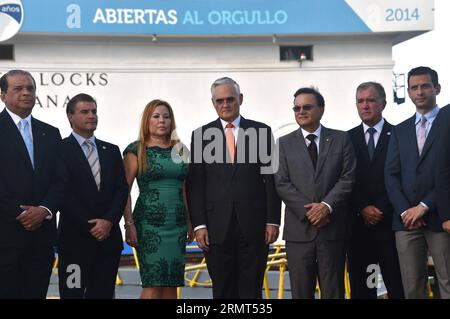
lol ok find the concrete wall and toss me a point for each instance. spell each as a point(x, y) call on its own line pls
point(124, 74)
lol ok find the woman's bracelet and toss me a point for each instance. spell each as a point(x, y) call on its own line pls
point(129, 223)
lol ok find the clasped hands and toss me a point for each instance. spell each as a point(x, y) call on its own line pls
point(101, 229)
point(32, 217)
point(202, 237)
point(318, 214)
point(412, 218)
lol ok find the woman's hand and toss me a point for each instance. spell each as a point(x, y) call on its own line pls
point(131, 235)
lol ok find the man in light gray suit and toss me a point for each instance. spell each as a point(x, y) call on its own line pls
point(314, 179)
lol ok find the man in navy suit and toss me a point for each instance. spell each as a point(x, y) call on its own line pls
point(234, 208)
point(30, 193)
point(89, 237)
point(410, 183)
point(372, 240)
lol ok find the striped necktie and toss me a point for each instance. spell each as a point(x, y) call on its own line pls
point(92, 157)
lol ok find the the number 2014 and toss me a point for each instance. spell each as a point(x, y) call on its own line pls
point(402, 14)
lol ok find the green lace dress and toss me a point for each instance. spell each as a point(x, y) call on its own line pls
point(160, 218)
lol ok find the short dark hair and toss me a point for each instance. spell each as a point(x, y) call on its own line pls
point(420, 70)
point(4, 78)
point(319, 98)
point(82, 97)
point(377, 86)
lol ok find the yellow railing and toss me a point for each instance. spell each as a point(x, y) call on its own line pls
point(276, 259)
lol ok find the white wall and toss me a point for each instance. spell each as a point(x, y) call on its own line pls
point(139, 70)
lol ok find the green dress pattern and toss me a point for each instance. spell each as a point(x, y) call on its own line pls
point(160, 218)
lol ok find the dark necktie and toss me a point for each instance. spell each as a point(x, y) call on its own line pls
point(312, 149)
point(371, 142)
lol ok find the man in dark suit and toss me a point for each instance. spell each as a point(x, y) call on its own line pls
point(372, 240)
point(30, 193)
point(410, 183)
point(89, 237)
point(234, 208)
point(315, 179)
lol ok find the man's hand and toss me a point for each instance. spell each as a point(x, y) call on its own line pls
point(371, 215)
point(201, 236)
point(32, 217)
point(324, 222)
point(101, 228)
point(272, 233)
point(418, 224)
point(317, 214)
point(446, 226)
point(412, 216)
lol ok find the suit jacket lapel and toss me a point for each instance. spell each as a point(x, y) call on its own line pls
point(411, 138)
point(14, 136)
point(102, 149)
point(39, 144)
point(302, 151)
point(79, 155)
point(383, 140)
point(361, 145)
point(428, 142)
point(324, 146)
point(218, 124)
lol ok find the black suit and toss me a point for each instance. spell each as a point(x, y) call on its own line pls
point(372, 244)
point(98, 261)
point(27, 256)
point(234, 201)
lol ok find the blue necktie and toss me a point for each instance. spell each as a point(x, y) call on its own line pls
point(25, 132)
point(371, 142)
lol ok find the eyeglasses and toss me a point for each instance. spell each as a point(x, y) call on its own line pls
point(229, 100)
point(307, 107)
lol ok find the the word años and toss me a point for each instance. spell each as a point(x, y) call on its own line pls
point(10, 8)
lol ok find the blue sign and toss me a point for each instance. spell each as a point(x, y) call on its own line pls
point(193, 17)
point(11, 16)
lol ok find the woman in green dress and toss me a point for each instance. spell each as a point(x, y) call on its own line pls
point(159, 226)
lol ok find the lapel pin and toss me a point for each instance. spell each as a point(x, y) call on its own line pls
point(43, 134)
point(327, 140)
point(104, 147)
point(388, 133)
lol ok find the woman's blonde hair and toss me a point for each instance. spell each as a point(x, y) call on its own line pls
point(144, 132)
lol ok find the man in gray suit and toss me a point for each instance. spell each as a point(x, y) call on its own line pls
point(314, 179)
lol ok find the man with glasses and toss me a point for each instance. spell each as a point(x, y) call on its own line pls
point(235, 210)
point(315, 179)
